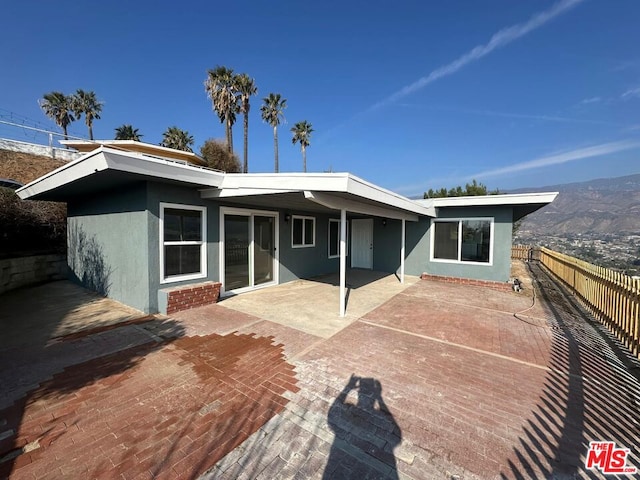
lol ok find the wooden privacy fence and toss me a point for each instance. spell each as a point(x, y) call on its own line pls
point(520, 252)
point(612, 297)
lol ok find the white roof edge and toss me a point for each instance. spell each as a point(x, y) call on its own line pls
point(324, 182)
point(490, 200)
point(103, 158)
point(32, 188)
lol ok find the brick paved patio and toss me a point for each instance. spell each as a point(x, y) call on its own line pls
point(441, 381)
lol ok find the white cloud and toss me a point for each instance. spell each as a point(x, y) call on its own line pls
point(498, 40)
point(556, 159)
point(587, 101)
point(549, 160)
point(523, 116)
point(631, 93)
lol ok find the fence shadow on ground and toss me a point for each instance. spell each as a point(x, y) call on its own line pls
point(589, 394)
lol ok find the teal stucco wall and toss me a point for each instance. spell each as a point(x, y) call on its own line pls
point(107, 239)
point(499, 270)
point(306, 262)
point(163, 193)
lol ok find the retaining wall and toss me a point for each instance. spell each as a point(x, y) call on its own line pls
point(24, 271)
point(34, 149)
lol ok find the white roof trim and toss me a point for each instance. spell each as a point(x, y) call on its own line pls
point(491, 200)
point(338, 203)
point(322, 182)
point(240, 192)
point(104, 158)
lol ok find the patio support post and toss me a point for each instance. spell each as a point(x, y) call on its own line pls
point(402, 251)
point(343, 260)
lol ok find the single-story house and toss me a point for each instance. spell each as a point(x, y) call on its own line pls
point(159, 232)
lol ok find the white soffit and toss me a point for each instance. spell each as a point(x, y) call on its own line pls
point(339, 203)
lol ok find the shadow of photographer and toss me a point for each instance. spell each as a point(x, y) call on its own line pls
point(365, 433)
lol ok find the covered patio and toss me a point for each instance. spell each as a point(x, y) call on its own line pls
point(355, 203)
point(309, 305)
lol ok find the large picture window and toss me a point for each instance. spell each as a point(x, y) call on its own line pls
point(334, 238)
point(303, 231)
point(183, 242)
point(463, 240)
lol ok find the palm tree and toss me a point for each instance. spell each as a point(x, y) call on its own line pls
point(272, 111)
point(57, 106)
point(302, 133)
point(221, 89)
point(246, 87)
point(86, 103)
point(176, 138)
point(127, 132)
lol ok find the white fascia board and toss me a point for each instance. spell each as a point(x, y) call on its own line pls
point(362, 188)
point(323, 182)
point(104, 158)
point(332, 182)
point(240, 192)
point(80, 167)
point(142, 164)
point(339, 203)
point(491, 200)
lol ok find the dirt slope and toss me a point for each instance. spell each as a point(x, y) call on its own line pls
point(26, 167)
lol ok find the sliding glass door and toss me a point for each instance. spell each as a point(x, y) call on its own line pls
point(248, 252)
point(236, 251)
point(263, 249)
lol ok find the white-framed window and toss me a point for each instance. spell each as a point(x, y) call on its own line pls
point(183, 242)
point(303, 231)
point(334, 238)
point(462, 240)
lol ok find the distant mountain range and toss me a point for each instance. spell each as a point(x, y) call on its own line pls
point(605, 205)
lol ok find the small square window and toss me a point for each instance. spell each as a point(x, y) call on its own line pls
point(303, 231)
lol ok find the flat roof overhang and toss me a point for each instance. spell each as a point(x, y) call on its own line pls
point(319, 192)
point(105, 168)
point(522, 203)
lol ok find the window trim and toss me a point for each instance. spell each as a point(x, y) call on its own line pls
point(460, 220)
point(203, 243)
point(304, 231)
point(336, 220)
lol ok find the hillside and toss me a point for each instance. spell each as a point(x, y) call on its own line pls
point(602, 206)
point(29, 227)
point(25, 167)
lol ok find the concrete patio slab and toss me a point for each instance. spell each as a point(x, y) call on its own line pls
point(312, 306)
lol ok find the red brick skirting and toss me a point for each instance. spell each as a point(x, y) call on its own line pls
point(503, 286)
point(191, 296)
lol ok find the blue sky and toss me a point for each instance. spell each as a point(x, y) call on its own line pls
point(410, 95)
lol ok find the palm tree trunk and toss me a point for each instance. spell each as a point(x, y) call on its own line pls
point(64, 130)
point(227, 127)
point(304, 159)
point(246, 143)
point(275, 147)
point(90, 132)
